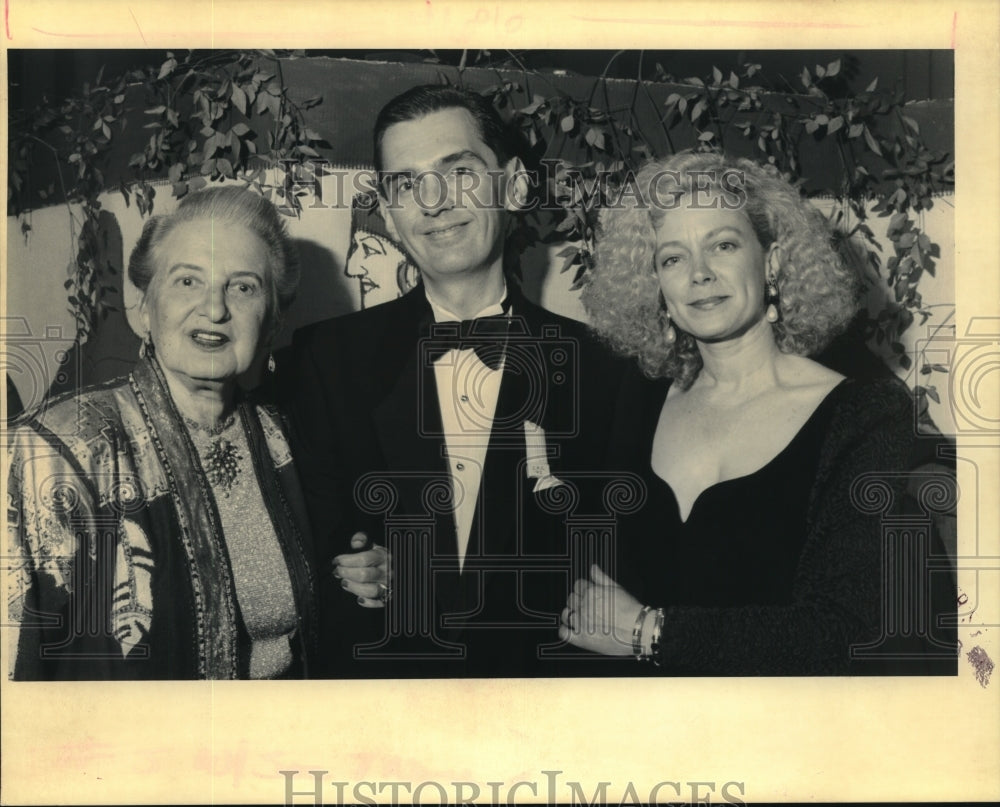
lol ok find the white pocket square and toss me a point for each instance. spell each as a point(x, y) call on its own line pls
point(537, 456)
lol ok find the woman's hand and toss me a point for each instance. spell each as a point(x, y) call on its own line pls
point(365, 573)
point(600, 615)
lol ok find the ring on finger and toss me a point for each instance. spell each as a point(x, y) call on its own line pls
point(384, 592)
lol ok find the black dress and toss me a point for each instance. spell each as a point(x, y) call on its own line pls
point(742, 539)
point(783, 571)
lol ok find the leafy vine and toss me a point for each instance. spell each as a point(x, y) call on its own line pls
point(229, 115)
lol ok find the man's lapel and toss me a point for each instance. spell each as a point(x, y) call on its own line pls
point(407, 421)
point(406, 414)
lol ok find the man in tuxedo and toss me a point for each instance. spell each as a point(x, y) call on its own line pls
point(439, 423)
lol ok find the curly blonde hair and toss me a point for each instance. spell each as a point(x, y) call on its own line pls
point(818, 294)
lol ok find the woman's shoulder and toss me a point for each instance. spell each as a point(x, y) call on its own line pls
point(872, 398)
point(876, 414)
point(76, 413)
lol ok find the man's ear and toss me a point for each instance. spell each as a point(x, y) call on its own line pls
point(517, 186)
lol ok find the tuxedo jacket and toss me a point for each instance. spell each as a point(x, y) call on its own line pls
point(361, 395)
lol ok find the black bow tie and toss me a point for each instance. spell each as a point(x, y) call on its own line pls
point(485, 335)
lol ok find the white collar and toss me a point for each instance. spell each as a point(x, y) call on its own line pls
point(442, 314)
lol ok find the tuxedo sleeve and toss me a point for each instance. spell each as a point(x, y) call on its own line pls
point(311, 390)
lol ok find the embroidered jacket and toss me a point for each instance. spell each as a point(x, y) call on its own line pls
point(120, 567)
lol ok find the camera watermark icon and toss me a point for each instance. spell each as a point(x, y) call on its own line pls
point(539, 372)
point(35, 362)
point(973, 365)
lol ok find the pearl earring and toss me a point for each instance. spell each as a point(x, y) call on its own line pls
point(772, 314)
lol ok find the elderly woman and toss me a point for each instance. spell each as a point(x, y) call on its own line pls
point(751, 557)
point(157, 522)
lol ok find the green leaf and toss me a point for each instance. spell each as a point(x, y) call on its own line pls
point(166, 68)
point(595, 138)
point(855, 130)
point(872, 142)
point(716, 76)
point(567, 123)
point(699, 107)
point(835, 124)
point(833, 68)
point(240, 130)
point(704, 137)
point(871, 87)
point(932, 393)
point(239, 99)
point(309, 151)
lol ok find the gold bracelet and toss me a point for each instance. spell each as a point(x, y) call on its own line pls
point(637, 633)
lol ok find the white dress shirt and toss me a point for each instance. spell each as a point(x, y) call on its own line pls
point(467, 393)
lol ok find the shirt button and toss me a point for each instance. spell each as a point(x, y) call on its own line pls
point(464, 399)
point(460, 466)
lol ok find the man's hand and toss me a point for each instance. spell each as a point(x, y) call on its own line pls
point(364, 572)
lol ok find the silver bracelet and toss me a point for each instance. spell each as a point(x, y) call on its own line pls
point(655, 648)
point(637, 633)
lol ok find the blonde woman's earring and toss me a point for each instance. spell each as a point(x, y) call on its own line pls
point(772, 314)
point(669, 333)
point(271, 365)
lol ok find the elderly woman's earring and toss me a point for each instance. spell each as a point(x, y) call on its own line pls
point(772, 314)
point(271, 365)
point(146, 345)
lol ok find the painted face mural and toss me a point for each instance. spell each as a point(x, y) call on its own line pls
point(379, 266)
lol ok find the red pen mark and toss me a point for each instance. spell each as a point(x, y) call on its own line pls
point(721, 23)
point(6, 18)
point(954, 28)
point(137, 25)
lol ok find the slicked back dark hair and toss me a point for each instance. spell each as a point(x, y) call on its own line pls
point(427, 98)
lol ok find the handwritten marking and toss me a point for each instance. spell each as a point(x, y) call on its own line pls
point(954, 29)
point(137, 25)
point(721, 23)
point(981, 663)
point(6, 18)
point(72, 36)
